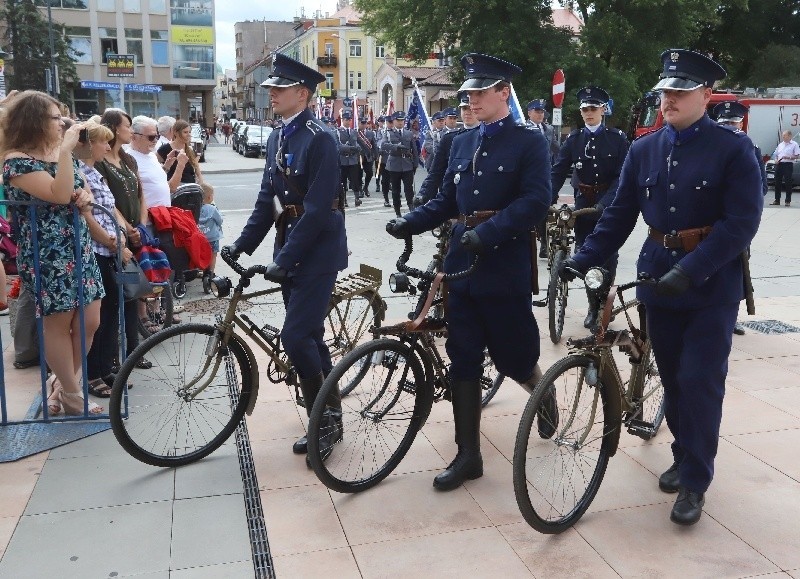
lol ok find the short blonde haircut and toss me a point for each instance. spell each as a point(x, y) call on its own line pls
point(208, 192)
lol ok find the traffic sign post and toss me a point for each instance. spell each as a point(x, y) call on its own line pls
point(558, 100)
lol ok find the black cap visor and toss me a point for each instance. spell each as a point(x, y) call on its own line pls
point(677, 83)
point(479, 83)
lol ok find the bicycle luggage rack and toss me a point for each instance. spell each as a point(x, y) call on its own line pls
point(367, 278)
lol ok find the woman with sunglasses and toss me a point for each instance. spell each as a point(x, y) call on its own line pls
point(597, 153)
point(178, 156)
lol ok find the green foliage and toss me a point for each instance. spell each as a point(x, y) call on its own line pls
point(26, 37)
point(775, 65)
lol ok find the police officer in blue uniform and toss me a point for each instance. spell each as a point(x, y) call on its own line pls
point(400, 146)
point(698, 188)
point(496, 185)
point(299, 195)
point(597, 153)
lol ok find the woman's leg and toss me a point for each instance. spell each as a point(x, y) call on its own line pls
point(59, 347)
point(91, 321)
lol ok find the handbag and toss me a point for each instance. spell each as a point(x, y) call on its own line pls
point(154, 263)
point(135, 284)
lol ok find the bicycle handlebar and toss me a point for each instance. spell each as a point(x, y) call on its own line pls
point(426, 275)
point(244, 272)
point(573, 212)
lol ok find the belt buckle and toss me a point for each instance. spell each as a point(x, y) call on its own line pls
point(666, 237)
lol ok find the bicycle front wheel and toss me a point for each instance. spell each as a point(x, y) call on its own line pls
point(557, 291)
point(556, 478)
point(159, 419)
point(387, 405)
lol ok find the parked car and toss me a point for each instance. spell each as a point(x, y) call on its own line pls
point(253, 140)
point(198, 143)
point(795, 171)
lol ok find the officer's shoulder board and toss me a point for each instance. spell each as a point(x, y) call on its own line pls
point(732, 130)
point(314, 126)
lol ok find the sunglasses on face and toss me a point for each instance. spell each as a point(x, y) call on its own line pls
point(150, 138)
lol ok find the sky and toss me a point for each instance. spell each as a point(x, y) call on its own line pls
point(227, 12)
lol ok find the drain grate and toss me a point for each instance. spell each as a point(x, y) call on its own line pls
point(256, 526)
point(771, 327)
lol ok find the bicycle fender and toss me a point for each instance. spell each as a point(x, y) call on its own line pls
point(251, 360)
point(613, 406)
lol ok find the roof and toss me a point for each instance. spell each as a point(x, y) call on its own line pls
point(566, 18)
point(420, 73)
point(349, 13)
point(441, 76)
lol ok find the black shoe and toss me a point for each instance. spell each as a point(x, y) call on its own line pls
point(468, 465)
point(543, 252)
point(688, 507)
point(670, 480)
point(345, 204)
point(590, 321)
point(144, 364)
point(738, 329)
point(26, 364)
point(365, 193)
point(358, 201)
point(301, 446)
point(387, 204)
point(547, 415)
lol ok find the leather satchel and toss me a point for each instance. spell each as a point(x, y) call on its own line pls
point(134, 282)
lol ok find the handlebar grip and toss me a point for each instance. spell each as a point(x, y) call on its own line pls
point(229, 259)
point(584, 211)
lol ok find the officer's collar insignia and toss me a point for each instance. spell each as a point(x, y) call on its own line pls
point(674, 56)
point(470, 60)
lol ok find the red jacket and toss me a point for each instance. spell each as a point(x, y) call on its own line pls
point(185, 233)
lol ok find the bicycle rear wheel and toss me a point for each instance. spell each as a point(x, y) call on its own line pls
point(490, 380)
point(155, 420)
point(158, 313)
point(387, 405)
point(650, 394)
point(557, 291)
point(556, 478)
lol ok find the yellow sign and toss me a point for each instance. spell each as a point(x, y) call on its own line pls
point(324, 92)
point(199, 35)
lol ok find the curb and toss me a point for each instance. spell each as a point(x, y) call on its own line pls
point(221, 171)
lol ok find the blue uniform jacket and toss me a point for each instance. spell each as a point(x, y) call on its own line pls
point(598, 159)
point(502, 167)
point(433, 181)
point(316, 241)
point(704, 175)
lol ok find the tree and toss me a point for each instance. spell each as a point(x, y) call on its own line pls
point(27, 38)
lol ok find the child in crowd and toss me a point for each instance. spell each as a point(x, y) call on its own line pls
point(210, 222)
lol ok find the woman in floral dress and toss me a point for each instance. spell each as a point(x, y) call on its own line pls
point(38, 165)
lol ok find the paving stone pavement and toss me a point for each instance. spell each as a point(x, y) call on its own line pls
point(89, 510)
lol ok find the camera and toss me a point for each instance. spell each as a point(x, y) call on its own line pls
point(83, 135)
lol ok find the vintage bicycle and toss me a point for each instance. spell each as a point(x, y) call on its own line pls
point(560, 226)
point(205, 377)
point(393, 382)
point(556, 478)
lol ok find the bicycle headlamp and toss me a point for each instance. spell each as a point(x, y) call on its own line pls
point(595, 278)
point(221, 287)
point(398, 283)
point(564, 214)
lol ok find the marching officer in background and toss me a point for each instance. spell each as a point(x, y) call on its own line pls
point(383, 180)
point(497, 183)
point(597, 153)
point(369, 149)
point(349, 157)
point(402, 162)
point(450, 121)
point(698, 188)
point(731, 114)
point(433, 181)
point(536, 113)
point(299, 195)
point(432, 139)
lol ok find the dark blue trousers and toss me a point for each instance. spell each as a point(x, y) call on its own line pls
point(306, 299)
point(691, 349)
point(504, 324)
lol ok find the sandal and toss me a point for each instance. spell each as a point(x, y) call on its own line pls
point(144, 364)
point(73, 404)
point(53, 399)
point(99, 388)
point(109, 380)
point(150, 325)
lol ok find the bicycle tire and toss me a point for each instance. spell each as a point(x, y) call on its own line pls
point(162, 428)
point(557, 291)
point(652, 394)
point(345, 325)
point(544, 499)
point(380, 417)
point(491, 380)
point(159, 310)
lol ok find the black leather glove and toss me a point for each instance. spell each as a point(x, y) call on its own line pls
point(564, 269)
point(471, 242)
point(275, 273)
point(418, 201)
point(398, 228)
point(673, 283)
point(234, 251)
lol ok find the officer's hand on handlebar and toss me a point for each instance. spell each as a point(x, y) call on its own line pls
point(673, 283)
point(471, 242)
point(398, 228)
point(275, 273)
point(233, 251)
point(599, 207)
point(565, 269)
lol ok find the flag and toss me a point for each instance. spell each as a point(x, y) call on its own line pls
point(417, 111)
point(355, 112)
point(370, 116)
point(390, 108)
point(516, 109)
point(319, 107)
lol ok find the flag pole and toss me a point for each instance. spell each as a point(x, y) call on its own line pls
point(421, 102)
point(516, 109)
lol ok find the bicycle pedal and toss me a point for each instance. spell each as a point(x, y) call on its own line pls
point(408, 386)
point(641, 428)
point(270, 331)
point(539, 303)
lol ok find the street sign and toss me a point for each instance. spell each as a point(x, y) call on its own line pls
point(557, 117)
point(120, 65)
point(558, 89)
point(610, 107)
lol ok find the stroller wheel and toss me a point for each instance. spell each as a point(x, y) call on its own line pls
point(207, 283)
point(179, 289)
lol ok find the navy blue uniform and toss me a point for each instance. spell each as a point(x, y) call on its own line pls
point(704, 175)
point(315, 244)
point(598, 159)
point(433, 180)
point(501, 167)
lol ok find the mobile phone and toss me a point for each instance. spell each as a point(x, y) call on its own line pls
point(83, 135)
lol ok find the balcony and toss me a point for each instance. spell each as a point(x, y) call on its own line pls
point(328, 60)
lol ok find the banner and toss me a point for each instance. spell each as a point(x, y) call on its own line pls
point(417, 111)
point(516, 109)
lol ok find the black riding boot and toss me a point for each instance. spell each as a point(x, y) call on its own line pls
point(547, 415)
point(330, 429)
point(592, 316)
point(310, 388)
point(468, 463)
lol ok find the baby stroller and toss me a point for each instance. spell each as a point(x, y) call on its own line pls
point(187, 196)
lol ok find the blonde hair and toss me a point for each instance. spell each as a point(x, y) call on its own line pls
point(208, 192)
point(179, 126)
